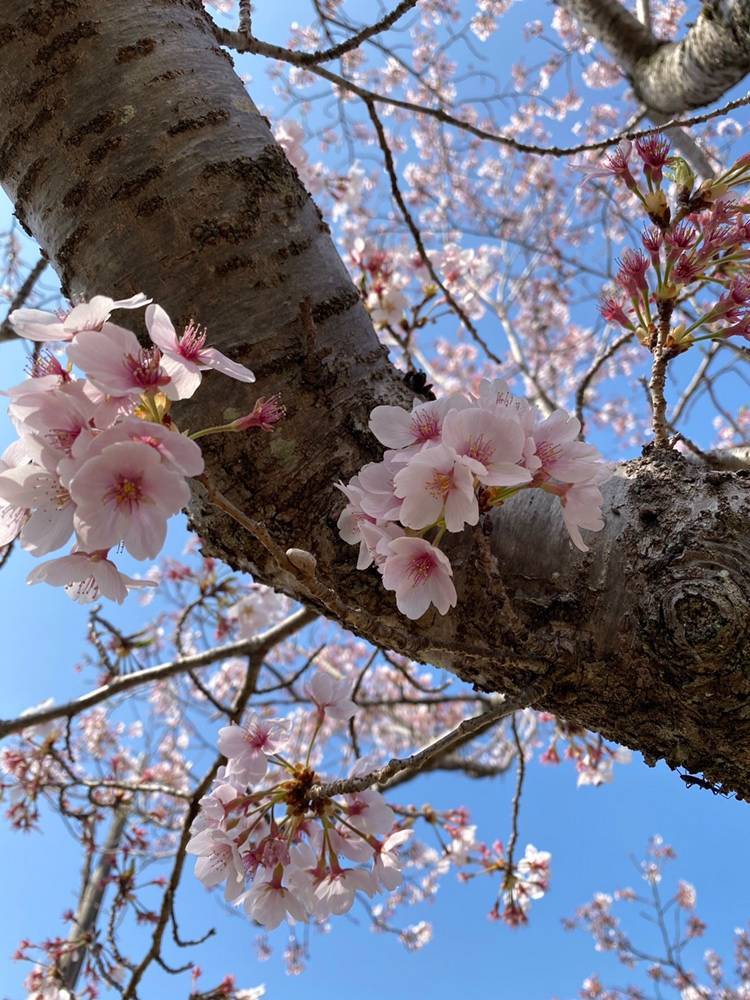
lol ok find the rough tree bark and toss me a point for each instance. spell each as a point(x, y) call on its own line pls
point(137, 160)
point(671, 77)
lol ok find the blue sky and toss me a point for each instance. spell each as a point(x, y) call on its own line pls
point(592, 833)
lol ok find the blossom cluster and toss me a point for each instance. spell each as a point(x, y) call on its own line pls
point(448, 461)
point(98, 457)
point(696, 244)
point(282, 850)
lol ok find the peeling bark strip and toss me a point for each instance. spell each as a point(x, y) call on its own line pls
point(672, 77)
point(646, 638)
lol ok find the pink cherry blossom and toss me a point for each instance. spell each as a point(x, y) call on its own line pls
point(349, 843)
point(492, 440)
point(581, 508)
point(177, 451)
point(126, 494)
point(86, 576)
point(50, 521)
point(533, 868)
point(55, 417)
point(437, 483)
point(305, 874)
point(558, 453)
point(246, 747)
point(376, 481)
point(36, 324)
point(187, 356)
point(376, 538)
point(269, 901)
point(386, 867)
point(421, 575)
point(218, 859)
point(409, 432)
point(368, 811)
point(386, 307)
point(351, 519)
point(12, 518)
point(331, 695)
point(116, 364)
point(338, 889)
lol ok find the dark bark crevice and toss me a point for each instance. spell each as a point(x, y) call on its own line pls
point(158, 174)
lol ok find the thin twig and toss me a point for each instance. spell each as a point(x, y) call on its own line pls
point(513, 839)
point(417, 235)
point(154, 952)
point(596, 365)
point(6, 330)
point(336, 51)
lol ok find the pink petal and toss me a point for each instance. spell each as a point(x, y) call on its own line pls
point(212, 358)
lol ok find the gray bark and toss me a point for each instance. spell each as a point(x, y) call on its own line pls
point(91, 902)
point(672, 77)
point(138, 161)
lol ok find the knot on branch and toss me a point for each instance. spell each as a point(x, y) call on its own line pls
point(703, 619)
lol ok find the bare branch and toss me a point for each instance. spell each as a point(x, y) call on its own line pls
point(417, 236)
point(336, 51)
point(6, 330)
point(91, 902)
point(260, 644)
point(258, 47)
point(468, 729)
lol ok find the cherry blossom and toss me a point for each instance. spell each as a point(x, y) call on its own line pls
point(269, 901)
point(437, 483)
point(186, 356)
point(218, 860)
point(247, 747)
point(116, 364)
point(36, 324)
point(49, 520)
point(409, 432)
point(331, 695)
point(336, 892)
point(386, 868)
point(558, 454)
point(452, 460)
point(86, 576)
point(126, 494)
point(421, 575)
point(494, 441)
point(581, 508)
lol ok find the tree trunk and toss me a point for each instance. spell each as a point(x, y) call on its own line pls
point(137, 160)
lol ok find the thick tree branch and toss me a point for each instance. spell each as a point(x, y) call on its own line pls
point(672, 77)
point(181, 191)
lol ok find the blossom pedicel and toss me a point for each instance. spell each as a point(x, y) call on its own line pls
point(99, 457)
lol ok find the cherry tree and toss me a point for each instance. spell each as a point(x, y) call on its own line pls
point(418, 307)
